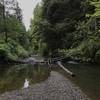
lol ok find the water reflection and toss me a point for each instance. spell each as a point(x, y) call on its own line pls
point(16, 76)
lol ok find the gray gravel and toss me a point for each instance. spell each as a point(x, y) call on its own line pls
point(56, 87)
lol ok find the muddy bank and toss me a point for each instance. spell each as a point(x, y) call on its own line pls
point(56, 87)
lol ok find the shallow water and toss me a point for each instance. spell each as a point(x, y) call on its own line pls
point(13, 77)
point(87, 78)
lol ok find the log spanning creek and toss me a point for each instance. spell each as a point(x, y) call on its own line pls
point(19, 77)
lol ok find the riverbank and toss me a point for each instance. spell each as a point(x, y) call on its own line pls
point(56, 87)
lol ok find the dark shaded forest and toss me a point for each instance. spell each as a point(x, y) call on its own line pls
point(68, 28)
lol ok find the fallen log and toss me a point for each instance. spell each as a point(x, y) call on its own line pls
point(65, 69)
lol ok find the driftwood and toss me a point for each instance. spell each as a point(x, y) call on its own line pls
point(65, 69)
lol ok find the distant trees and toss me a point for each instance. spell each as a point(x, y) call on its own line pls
point(35, 36)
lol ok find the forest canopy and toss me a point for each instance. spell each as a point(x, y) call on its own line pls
point(67, 28)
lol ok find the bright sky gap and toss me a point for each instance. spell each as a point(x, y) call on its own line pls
point(27, 7)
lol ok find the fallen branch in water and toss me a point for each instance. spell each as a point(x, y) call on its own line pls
point(65, 69)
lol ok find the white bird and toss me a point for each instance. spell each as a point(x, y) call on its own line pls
point(26, 83)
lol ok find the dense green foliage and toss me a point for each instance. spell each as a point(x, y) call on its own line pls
point(37, 45)
point(60, 27)
point(13, 36)
point(57, 24)
point(67, 27)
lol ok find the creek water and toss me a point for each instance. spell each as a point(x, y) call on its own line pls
point(87, 78)
point(14, 77)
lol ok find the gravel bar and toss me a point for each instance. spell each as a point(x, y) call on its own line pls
point(56, 87)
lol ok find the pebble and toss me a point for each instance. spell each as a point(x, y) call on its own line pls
point(56, 87)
